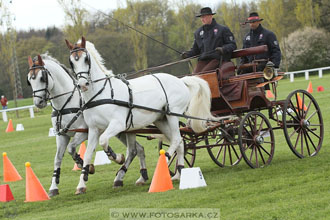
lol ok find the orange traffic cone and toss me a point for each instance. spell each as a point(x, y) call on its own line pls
point(300, 103)
point(81, 152)
point(269, 94)
point(10, 127)
point(34, 190)
point(5, 193)
point(161, 181)
point(10, 173)
point(310, 87)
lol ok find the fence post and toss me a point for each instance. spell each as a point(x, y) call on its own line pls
point(306, 75)
point(320, 73)
point(31, 112)
point(291, 77)
point(4, 116)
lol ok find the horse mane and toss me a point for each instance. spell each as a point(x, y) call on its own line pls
point(46, 56)
point(97, 57)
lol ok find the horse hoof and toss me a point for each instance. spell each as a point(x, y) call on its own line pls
point(91, 169)
point(118, 184)
point(80, 191)
point(140, 182)
point(53, 192)
point(176, 177)
point(122, 160)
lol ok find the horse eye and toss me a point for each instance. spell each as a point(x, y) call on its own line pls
point(42, 79)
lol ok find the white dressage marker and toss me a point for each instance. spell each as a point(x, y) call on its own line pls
point(191, 178)
point(19, 127)
point(101, 158)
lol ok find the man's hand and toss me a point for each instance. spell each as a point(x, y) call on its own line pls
point(184, 55)
point(219, 50)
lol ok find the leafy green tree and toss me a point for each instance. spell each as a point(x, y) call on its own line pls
point(307, 13)
point(77, 19)
point(308, 48)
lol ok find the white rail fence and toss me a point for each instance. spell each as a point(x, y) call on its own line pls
point(4, 112)
point(307, 72)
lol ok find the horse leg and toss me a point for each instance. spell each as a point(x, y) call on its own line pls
point(170, 128)
point(131, 152)
point(61, 143)
point(93, 135)
point(143, 167)
point(77, 139)
point(140, 153)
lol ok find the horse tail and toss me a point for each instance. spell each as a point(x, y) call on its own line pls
point(200, 102)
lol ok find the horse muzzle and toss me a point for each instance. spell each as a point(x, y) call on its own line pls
point(40, 103)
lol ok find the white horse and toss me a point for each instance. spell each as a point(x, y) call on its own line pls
point(110, 109)
point(50, 80)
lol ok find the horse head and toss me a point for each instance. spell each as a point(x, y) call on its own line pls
point(80, 63)
point(40, 80)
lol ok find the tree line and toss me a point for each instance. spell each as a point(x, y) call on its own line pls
point(171, 22)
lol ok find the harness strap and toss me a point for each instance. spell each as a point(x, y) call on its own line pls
point(125, 104)
point(130, 103)
point(167, 107)
point(66, 111)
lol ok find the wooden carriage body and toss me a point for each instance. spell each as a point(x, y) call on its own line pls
point(234, 94)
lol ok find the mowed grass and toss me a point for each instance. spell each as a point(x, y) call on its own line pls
point(289, 188)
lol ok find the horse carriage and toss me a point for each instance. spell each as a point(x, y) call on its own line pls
point(235, 127)
point(245, 131)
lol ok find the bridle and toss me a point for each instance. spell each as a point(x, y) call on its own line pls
point(44, 78)
point(87, 61)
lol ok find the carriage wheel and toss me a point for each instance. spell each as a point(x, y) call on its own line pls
point(189, 153)
point(256, 140)
point(222, 150)
point(303, 124)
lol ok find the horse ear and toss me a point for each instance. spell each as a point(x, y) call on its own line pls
point(83, 42)
point(41, 63)
point(30, 61)
point(70, 46)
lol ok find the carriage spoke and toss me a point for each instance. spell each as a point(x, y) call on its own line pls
point(187, 162)
point(230, 157)
point(311, 115)
point(310, 139)
point(308, 107)
point(313, 133)
point(263, 160)
point(295, 131)
point(294, 109)
point(302, 106)
point(296, 95)
point(307, 146)
point(256, 153)
point(302, 142)
point(224, 155)
point(251, 153)
point(261, 124)
point(234, 151)
point(248, 132)
point(264, 150)
point(219, 152)
point(297, 140)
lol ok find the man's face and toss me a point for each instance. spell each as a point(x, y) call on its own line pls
point(254, 25)
point(206, 19)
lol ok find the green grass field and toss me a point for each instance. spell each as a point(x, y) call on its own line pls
point(289, 188)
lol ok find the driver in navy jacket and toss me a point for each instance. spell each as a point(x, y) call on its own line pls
point(257, 36)
point(213, 42)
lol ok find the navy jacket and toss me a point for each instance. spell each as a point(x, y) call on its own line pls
point(258, 37)
point(210, 36)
